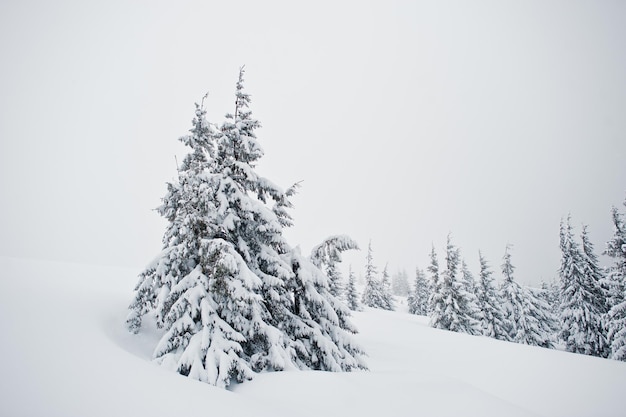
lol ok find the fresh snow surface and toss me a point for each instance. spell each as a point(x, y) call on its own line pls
point(65, 352)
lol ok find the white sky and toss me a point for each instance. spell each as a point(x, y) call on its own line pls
point(405, 120)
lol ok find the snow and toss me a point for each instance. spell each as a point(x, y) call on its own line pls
point(65, 352)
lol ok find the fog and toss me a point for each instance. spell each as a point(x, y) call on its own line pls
point(405, 121)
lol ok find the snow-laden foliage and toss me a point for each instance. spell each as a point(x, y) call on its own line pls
point(418, 297)
point(492, 318)
point(374, 292)
point(226, 288)
point(469, 286)
point(527, 317)
point(453, 308)
point(582, 302)
point(327, 256)
point(318, 322)
point(616, 286)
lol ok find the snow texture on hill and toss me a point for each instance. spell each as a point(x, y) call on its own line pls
point(65, 352)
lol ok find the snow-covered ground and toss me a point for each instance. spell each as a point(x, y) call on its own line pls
point(65, 352)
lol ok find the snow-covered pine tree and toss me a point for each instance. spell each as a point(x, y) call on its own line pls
point(385, 285)
point(581, 299)
point(453, 310)
point(223, 286)
point(616, 285)
point(318, 324)
point(373, 293)
point(199, 288)
point(468, 286)
point(418, 297)
point(400, 284)
point(352, 296)
point(595, 279)
point(327, 256)
point(185, 222)
point(492, 319)
point(540, 326)
point(512, 298)
point(526, 316)
point(434, 294)
point(550, 294)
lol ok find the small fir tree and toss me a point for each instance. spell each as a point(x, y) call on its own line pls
point(469, 288)
point(616, 285)
point(582, 300)
point(373, 295)
point(492, 319)
point(526, 315)
point(418, 297)
point(453, 310)
point(352, 296)
point(512, 298)
point(385, 284)
point(434, 297)
point(319, 320)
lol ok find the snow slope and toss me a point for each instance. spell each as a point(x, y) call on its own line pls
point(65, 352)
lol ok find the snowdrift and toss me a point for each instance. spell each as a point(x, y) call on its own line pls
point(65, 352)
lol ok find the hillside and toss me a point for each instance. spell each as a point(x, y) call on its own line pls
point(65, 352)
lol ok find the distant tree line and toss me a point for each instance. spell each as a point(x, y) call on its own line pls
point(584, 311)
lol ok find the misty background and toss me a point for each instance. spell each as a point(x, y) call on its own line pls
point(405, 120)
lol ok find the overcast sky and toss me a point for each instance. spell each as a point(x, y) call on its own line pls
point(405, 120)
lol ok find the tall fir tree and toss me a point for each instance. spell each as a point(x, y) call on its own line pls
point(492, 319)
point(418, 297)
point(224, 287)
point(581, 296)
point(616, 286)
point(352, 296)
point(373, 295)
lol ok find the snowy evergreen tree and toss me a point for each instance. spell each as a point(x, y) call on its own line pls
point(582, 301)
point(550, 294)
point(418, 297)
point(468, 285)
point(400, 284)
point(512, 297)
point(327, 256)
point(541, 326)
point(385, 284)
point(434, 296)
point(492, 318)
point(616, 286)
point(318, 322)
point(453, 310)
point(526, 316)
point(352, 296)
point(373, 294)
point(224, 288)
